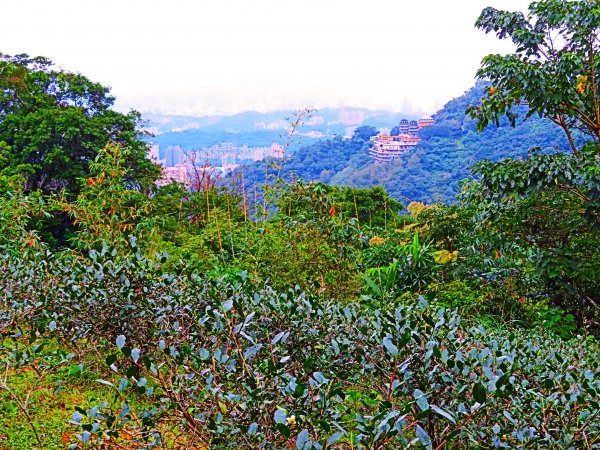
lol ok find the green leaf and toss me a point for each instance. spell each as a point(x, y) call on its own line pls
point(106, 383)
point(443, 413)
point(123, 384)
point(371, 284)
point(283, 429)
point(280, 417)
point(421, 400)
point(320, 378)
point(227, 304)
point(389, 346)
point(252, 428)
point(424, 438)
point(479, 393)
point(120, 341)
point(334, 438)
point(252, 351)
point(110, 359)
point(303, 440)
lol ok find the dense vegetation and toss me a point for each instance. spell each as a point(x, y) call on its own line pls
point(316, 316)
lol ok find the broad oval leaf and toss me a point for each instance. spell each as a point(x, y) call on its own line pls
point(280, 417)
point(389, 346)
point(303, 440)
point(120, 341)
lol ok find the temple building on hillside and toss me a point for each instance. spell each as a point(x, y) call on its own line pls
point(425, 122)
point(386, 148)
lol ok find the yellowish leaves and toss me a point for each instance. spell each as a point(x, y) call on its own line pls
point(96, 181)
point(29, 241)
point(406, 228)
point(125, 226)
point(376, 241)
point(415, 208)
point(582, 83)
point(445, 257)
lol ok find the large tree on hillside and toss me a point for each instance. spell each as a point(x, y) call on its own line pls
point(555, 68)
point(54, 123)
point(548, 205)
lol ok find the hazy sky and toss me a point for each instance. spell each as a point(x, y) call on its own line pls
point(207, 56)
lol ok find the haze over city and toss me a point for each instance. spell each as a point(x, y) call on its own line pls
point(209, 57)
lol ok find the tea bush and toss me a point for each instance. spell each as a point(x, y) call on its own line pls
point(229, 363)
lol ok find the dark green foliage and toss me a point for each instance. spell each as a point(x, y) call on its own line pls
point(547, 205)
point(371, 207)
point(54, 122)
point(546, 209)
point(316, 162)
point(435, 169)
point(412, 269)
point(554, 68)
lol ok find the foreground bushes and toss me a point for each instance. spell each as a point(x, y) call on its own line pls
point(229, 364)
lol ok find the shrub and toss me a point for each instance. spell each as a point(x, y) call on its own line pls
point(236, 365)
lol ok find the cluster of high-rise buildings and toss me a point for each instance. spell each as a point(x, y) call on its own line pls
point(183, 165)
point(387, 147)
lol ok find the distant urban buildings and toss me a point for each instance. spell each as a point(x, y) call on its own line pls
point(174, 156)
point(351, 118)
point(315, 121)
point(184, 165)
point(386, 147)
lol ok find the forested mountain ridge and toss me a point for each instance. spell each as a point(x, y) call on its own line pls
point(434, 169)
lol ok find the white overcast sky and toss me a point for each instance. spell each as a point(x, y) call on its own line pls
point(214, 56)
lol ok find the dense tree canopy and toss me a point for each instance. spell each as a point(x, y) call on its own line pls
point(554, 69)
point(54, 122)
point(433, 171)
point(547, 205)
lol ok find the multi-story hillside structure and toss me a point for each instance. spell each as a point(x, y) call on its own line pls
point(386, 148)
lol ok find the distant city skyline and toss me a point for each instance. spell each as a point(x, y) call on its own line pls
point(228, 56)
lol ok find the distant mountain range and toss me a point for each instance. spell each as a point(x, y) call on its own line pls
point(434, 169)
point(261, 129)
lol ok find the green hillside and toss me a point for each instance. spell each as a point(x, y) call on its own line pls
point(438, 164)
point(277, 313)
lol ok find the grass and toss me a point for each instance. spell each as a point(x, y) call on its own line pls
point(48, 404)
point(45, 401)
